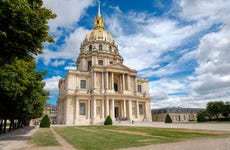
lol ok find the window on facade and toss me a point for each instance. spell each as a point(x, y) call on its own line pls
point(111, 62)
point(82, 109)
point(100, 47)
point(139, 88)
point(83, 84)
point(110, 48)
point(141, 109)
point(90, 48)
point(89, 64)
point(100, 62)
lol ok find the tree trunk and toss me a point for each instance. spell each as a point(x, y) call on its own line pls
point(4, 128)
point(1, 125)
point(11, 124)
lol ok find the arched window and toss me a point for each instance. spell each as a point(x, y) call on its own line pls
point(90, 48)
point(100, 47)
point(110, 48)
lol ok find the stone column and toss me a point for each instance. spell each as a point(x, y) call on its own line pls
point(107, 107)
point(112, 109)
point(128, 82)
point(137, 105)
point(123, 81)
point(102, 82)
point(78, 85)
point(88, 109)
point(107, 80)
point(102, 109)
point(124, 108)
point(83, 64)
point(146, 111)
point(94, 80)
point(112, 82)
point(130, 109)
point(94, 109)
point(77, 110)
point(135, 85)
point(93, 60)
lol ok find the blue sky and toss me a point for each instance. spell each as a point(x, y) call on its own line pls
point(181, 46)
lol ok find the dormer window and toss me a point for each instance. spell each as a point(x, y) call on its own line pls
point(100, 47)
point(90, 48)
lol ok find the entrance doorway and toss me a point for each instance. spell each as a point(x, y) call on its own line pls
point(116, 112)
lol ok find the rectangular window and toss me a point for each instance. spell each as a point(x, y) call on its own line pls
point(140, 109)
point(89, 64)
point(139, 88)
point(83, 84)
point(100, 62)
point(82, 109)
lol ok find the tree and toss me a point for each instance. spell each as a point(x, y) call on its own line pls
point(215, 108)
point(201, 115)
point(45, 122)
point(23, 29)
point(226, 110)
point(108, 121)
point(168, 119)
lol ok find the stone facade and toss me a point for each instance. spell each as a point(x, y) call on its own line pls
point(101, 85)
point(176, 114)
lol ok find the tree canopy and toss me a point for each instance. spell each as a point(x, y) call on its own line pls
point(23, 29)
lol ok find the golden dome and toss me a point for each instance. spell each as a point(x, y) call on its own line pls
point(99, 33)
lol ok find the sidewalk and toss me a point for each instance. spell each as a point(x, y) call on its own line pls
point(17, 139)
point(198, 126)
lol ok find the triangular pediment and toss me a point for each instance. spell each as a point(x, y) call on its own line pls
point(120, 66)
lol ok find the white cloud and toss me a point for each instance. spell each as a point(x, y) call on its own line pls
point(204, 10)
point(52, 84)
point(70, 48)
point(57, 63)
point(70, 68)
point(68, 13)
point(150, 37)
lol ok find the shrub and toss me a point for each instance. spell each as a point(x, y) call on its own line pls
point(45, 122)
point(201, 116)
point(108, 121)
point(168, 119)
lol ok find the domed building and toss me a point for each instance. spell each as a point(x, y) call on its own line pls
point(102, 85)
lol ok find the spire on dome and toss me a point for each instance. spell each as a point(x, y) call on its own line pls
point(99, 21)
point(99, 10)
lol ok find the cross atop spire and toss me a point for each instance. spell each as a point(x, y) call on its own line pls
point(99, 21)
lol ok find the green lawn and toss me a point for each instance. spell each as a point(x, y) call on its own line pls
point(44, 137)
point(112, 137)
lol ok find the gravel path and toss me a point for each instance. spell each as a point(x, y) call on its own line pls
point(18, 140)
point(197, 126)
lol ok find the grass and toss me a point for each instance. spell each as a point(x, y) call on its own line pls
point(44, 137)
point(112, 137)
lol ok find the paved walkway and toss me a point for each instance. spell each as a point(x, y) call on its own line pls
point(197, 126)
point(17, 139)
